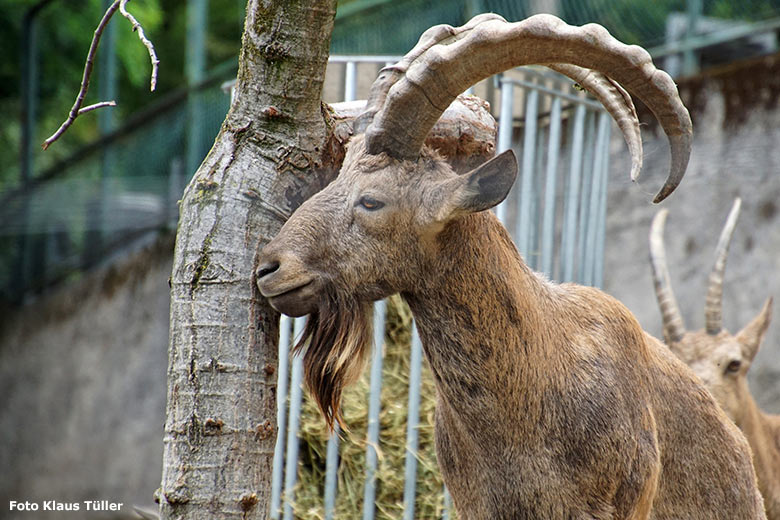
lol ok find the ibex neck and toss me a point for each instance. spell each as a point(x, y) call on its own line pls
point(763, 434)
point(477, 308)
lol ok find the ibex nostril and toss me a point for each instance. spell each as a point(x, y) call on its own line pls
point(266, 269)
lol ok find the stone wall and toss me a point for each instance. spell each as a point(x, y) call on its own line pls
point(82, 380)
point(736, 152)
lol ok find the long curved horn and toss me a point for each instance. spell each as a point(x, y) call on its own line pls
point(714, 307)
point(410, 95)
point(617, 102)
point(674, 328)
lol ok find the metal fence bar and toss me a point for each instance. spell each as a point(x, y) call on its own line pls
point(412, 421)
point(350, 81)
point(296, 397)
point(281, 416)
point(534, 253)
point(364, 58)
point(447, 504)
point(598, 275)
point(568, 238)
point(331, 469)
point(585, 190)
point(548, 219)
point(577, 100)
point(523, 226)
point(595, 198)
point(505, 128)
point(374, 407)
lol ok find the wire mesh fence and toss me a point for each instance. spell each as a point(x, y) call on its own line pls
point(362, 25)
point(93, 204)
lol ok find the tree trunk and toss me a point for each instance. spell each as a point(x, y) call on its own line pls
point(220, 428)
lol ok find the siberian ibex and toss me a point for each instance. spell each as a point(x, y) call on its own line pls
point(721, 359)
point(552, 401)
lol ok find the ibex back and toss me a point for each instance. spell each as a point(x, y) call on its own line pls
point(552, 401)
point(722, 359)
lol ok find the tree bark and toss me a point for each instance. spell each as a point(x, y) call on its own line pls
point(277, 146)
point(220, 427)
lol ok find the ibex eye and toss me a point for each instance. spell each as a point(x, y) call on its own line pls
point(370, 203)
point(733, 366)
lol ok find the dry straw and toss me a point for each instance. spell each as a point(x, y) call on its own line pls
point(313, 439)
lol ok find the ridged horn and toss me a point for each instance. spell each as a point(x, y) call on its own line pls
point(617, 102)
point(713, 310)
point(673, 325)
point(408, 97)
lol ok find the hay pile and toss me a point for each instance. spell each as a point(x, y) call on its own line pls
point(309, 493)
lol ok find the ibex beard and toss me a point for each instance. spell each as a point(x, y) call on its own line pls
point(336, 338)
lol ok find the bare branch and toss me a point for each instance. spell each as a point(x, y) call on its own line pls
point(76, 109)
point(140, 30)
point(102, 104)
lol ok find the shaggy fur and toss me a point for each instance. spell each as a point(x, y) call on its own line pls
point(552, 403)
point(336, 339)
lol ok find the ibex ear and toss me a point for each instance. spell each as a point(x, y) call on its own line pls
point(753, 334)
point(481, 188)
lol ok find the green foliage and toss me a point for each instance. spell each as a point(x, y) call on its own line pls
point(64, 32)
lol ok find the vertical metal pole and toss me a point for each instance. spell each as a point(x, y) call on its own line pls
point(587, 186)
point(374, 407)
point(598, 275)
point(98, 210)
point(410, 466)
point(296, 397)
point(107, 69)
point(505, 127)
point(197, 11)
point(548, 220)
point(694, 11)
point(523, 227)
point(472, 8)
point(568, 238)
point(536, 202)
point(29, 91)
point(281, 416)
point(350, 81)
point(447, 504)
point(331, 472)
point(593, 216)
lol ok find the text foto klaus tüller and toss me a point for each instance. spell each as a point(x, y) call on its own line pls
point(55, 505)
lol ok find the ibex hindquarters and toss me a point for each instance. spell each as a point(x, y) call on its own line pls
point(553, 403)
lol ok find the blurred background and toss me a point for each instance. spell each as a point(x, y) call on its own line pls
point(87, 227)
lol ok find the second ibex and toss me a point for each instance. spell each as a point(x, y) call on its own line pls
point(722, 359)
point(552, 401)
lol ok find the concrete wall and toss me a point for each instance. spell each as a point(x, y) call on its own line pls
point(736, 151)
point(82, 380)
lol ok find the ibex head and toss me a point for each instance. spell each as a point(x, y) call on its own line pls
point(719, 358)
point(373, 231)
